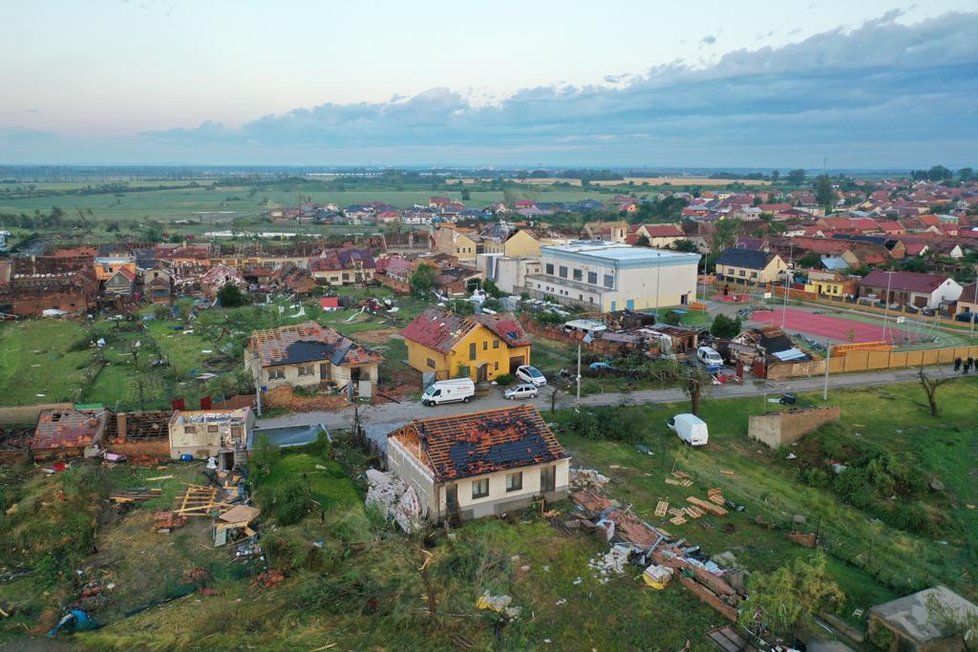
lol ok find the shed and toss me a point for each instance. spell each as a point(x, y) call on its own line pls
point(926, 621)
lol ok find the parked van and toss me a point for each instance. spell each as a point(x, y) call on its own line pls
point(449, 391)
point(690, 428)
point(710, 357)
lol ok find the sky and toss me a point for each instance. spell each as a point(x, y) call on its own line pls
point(543, 83)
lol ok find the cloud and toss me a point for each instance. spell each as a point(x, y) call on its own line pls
point(709, 40)
point(881, 94)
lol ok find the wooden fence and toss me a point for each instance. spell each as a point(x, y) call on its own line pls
point(856, 361)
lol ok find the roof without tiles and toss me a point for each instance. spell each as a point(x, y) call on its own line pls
point(308, 342)
point(475, 444)
point(68, 428)
point(442, 330)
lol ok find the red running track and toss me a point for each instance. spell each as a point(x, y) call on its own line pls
point(837, 329)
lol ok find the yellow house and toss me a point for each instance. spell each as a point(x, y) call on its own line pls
point(451, 240)
point(504, 239)
point(830, 284)
point(479, 346)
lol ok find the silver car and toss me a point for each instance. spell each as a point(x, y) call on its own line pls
point(525, 390)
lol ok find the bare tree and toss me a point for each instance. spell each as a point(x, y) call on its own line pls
point(553, 399)
point(930, 386)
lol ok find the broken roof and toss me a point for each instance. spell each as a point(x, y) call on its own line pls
point(68, 428)
point(921, 616)
point(468, 445)
point(442, 330)
point(308, 342)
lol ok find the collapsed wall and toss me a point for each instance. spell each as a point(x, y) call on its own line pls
point(784, 428)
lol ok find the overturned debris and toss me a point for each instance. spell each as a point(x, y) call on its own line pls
point(397, 500)
point(586, 479)
point(611, 563)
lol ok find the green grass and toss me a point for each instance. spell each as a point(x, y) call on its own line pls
point(37, 364)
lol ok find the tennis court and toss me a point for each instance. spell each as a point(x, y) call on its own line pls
point(837, 329)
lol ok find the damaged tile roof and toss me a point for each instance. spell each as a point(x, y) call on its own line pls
point(442, 330)
point(308, 342)
point(68, 428)
point(478, 443)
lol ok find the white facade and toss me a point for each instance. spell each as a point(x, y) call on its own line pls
point(606, 277)
point(508, 273)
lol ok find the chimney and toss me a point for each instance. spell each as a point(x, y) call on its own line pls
point(121, 425)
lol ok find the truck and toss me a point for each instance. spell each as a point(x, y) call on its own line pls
point(710, 358)
point(690, 429)
point(448, 391)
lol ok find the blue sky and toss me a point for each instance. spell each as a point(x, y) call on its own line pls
point(698, 84)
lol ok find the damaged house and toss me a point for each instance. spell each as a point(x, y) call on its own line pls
point(66, 432)
point(224, 434)
point(479, 464)
point(29, 286)
point(308, 354)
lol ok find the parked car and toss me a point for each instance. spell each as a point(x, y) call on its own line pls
point(523, 390)
point(690, 429)
point(965, 316)
point(531, 375)
point(710, 358)
point(449, 391)
point(600, 366)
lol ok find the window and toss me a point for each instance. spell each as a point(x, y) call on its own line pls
point(592, 278)
point(212, 428)
point(276, 374)
point(562, 271)
point(548, 478)
point(753, 274)
point(472, 351)
point(580, 297)
point(495, 366)
point(237, 431)
point(430, 363)
point(609, 281)
point(190, 429)
point(578, 275)
point(485, 345)
point(306, 370)
point(480, 488)
point(514, 481)
point(550, 269)
point(495, 344)
point(743, 272)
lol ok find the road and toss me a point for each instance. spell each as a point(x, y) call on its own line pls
point(378, 420)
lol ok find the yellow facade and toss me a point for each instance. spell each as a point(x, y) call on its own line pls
point(105, 271)
point(826, 288)
point(450, 240)
point(480, 351)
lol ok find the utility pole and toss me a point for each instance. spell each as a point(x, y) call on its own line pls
point(973, 315)
point(577, 407)
point(787, 277)
point(828, 363)
point(658, 273)
point(886, 305)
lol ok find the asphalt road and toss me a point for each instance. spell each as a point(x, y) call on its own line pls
point(378, 420)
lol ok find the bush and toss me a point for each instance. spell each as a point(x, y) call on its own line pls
point(725, 327)
point(287, 501)
point(505, 379)
point(853, 487)
point(814, 477)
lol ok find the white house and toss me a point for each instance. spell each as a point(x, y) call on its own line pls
point(607, 276)
point(224, 434)
point(479, 464)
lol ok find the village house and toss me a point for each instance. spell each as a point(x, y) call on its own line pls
point(29, 286)
point(395, 272)
point(217, 277)
point(910, 288)
point(122, 284)
point(608, 276)
point(607, 231)
point(968, 299)
point(221, 433)
point(508, 273)
point(507, 240)
point(831, 284)
point(292, 279)
point(924, 622)
point(158, 286)
point(479, 464)
point(109, 259)
point(307, 355)
point(749, 266)
point(67, 432)
point(343, 266)
point(479, 346)
point(454, 241)
point(659, 236)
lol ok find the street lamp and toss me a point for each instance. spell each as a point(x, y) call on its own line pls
point(886, 304)
point(658, 273)
point(828, 363)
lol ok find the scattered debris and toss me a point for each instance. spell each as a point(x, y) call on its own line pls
point(661, 508)
point(611, 563)
point(137, 495)
point(198, 500)
point(716, 510)
point(164, 521)
point(398, 501)
point(268, 579)
point(657, 576)
point(499, 604)
point(586, 479)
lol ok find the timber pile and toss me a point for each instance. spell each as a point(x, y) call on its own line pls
point(716, 510)
point(661, 508)
point(199, 500)
point(135, 495)
point(715, 496)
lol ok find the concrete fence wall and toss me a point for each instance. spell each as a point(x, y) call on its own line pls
point(784, 428)
point(856, 361)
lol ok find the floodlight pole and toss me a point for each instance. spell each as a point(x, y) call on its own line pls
point(577, 407)
point(658, 274)
point(976, 305)
point(828, 363)
point(886, 304)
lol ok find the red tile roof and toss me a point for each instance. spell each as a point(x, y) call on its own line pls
point(308, 342)
point(478, 443)
point(904, 281)
point(67, 428)
point(442, 330)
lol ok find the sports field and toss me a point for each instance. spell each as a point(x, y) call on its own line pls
point(837, 329)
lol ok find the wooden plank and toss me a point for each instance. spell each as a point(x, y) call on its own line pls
point(717, 499)
point(677, 520)
point(662, 508)
point(716, 510)
point(673, 481)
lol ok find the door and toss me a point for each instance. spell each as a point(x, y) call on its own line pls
point(684, 299)
point(630, 304)
point(323, 371)
point(614, 306)
point(451, 498)
point(514, 363)
point(482, 373)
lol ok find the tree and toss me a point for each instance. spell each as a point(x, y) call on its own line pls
point(724, 236)
point(643, 241)
point(423, 279)
point(673, 317)
point(966, 174)
point(939, 173)
point(795, 591)
point(230, 296)
point(466, 195)
point(693, 381)
point(931, 385)
point(775, 176)
point(796, 177)
point(824, 194)
point(811, 260)
point(687, 246)
point(725, 327)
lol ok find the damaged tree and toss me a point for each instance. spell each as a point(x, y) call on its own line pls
point(930, 386)
point(692, 383)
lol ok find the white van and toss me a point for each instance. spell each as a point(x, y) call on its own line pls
point(690, 428)
point(449, 391)
point(710, 357)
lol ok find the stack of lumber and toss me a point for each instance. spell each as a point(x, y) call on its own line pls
point(661, 508)
point(715, 496)
point(706, 506)
point(136, 495)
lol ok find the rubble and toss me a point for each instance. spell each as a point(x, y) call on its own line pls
point(586, 479)
point(611, 563)
point(398, 501)
point(499, 604)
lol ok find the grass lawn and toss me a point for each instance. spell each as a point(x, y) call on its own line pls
point(37, 364)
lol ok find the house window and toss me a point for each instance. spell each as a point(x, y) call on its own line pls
point(743, 272)
point(514, 481)
point(236, 432)
point(548, 478)
point(592, 278)
point(609, 281)
point(550, 269)
point(276, 374)
point(495, 366)
point(212, 428)
point(485, 345)
point(578, 275)
point(430, 363)
point(190, 430)
point(495, 344)
point(306, 370)
point(753, 274)
point(562, 271)
point(480, 488)
point(472, 351)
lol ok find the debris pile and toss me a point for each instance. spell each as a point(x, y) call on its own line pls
point(586, 479)
point(499, 604)
point(398, 501)
point(611, 563)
